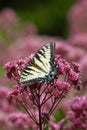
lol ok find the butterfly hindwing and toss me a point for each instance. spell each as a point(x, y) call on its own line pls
point(40, 66)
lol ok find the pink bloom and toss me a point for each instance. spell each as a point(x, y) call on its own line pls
point(8, 21)
point(5, 105)
point(6, 108)
point(3, 53)
point(20, 120)
point(14, 68)
point(27, 45)
point(12, 72)
point(78, 113)
point(78, 17)
point(79, 40)
point(58, 126)
point(34, 96)
point(68, 51)
point(76, 118)
point(9, 17)
point(78, 104)
point(30, 29)
point(83, 69)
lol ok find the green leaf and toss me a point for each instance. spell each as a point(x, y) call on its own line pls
point(59, 115)
point(47, 127)
point(1, 70)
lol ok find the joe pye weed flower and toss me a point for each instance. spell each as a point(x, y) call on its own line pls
point(39, 100)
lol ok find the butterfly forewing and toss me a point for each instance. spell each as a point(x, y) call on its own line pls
point(40, 66)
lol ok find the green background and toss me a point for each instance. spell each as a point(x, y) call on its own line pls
point(50, 16)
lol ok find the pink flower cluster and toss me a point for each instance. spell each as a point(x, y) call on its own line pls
point(78, 17)
point(21, 121)
point(39, 96)
point(5, 108)
point(76, 118)
point(14, 68)
point(78, 114)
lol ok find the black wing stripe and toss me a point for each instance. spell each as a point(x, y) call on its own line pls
point(42, 53)
point(52, 46)
point(38, 58)
point(43, 49)
point(29, 69)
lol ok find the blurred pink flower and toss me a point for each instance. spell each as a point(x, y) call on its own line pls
point(5, 105)
point(76, 117)
point(8, 22)
point(3, 53)
point(4, 56)
point(30, 29)
point(21, 121)
point(83, 69)
point(69, 52)
point(78, 17)
point(79, 104)
point(79, 40)
point(3, 80)
point(8, 18)
point(78, 114)
point(58, 126)
point(6, 108)
point(26, 45)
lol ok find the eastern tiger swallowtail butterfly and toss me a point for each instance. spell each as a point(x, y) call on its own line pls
point(42, 68)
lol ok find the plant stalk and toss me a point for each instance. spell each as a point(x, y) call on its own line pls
point(39, 108)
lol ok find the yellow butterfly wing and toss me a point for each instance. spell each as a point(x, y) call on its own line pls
point(40, 66)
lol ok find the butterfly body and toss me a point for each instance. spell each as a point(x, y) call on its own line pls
point(42, 68)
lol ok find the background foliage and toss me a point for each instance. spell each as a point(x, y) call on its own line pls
point(49, 16)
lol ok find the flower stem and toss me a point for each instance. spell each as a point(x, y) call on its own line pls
point(39, 108)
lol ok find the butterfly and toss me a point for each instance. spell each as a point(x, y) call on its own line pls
point(42, 68)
